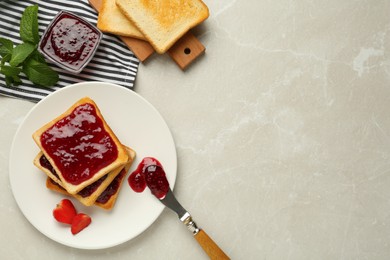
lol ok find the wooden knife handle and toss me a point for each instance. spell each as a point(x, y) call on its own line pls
point(209, 246)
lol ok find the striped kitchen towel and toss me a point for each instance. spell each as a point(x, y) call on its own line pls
point(113, 61)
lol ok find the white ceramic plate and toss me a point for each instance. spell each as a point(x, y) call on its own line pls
point(136, 123)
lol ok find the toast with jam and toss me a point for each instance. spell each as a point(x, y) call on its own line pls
point(104, 198)
point(102, 192)
point(80, 146)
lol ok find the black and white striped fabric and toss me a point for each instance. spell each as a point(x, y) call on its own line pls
point(113, 61)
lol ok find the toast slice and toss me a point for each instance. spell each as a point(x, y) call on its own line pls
point(92, 192)
point(112, 20)
point(163, 22)
point(80, 146)
point(108, 197)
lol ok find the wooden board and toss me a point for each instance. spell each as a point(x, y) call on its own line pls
point(186, 50)
point(183, 52)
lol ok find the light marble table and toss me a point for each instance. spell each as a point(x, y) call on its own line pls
point(282, 131)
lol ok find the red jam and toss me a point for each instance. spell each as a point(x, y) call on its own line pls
point(70, 41)
point(87, 191)
point(151, 173)
point(44, 162)
point(137, 182)
point(112, 189)
point(79, 144)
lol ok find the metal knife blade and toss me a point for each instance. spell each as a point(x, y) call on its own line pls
point(207, 243)
point(171, 202)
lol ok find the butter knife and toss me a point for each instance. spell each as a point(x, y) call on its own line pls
point(208, 245)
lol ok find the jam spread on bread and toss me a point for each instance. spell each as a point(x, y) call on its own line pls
point(149, 173)
point(45, 163)
point(81, 155)
point(70, 40)
point(112, 189)
point(79, 144)
point(87, 191)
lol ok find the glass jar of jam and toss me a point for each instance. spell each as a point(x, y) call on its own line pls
point(70, 41)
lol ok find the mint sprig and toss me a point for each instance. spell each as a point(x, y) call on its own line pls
point(25, 57)
point(29, 25)
point(6, 47)
point(20, 53)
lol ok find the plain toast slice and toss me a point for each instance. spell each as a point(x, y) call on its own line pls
point(112, 20)
point(163, 22)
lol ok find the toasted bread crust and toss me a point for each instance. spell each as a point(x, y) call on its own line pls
point(120, 160)
point(45, 170)
point(163, 22)
point(87, 201)
point(111, 202)
point(91, 200)
point(112, 20)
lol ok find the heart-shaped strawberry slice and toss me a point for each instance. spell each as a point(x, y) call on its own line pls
point(65, 212)
point(80, 222)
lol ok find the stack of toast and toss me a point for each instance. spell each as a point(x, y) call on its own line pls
point(82, 156)
point(160, 22)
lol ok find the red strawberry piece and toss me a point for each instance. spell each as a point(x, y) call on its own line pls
point(64, 211)
point(80, 222)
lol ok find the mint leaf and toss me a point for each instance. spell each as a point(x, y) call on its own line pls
point(10, 71)
point(36, 55)
point(6, 58)
point(8, 80)
point(40, 73)
point(29, 25)
point(17, 80)
point(11, 75)
point(6, 46)
point(20, 53)
point(12, 80)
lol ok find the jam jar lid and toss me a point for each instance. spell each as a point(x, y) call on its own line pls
point(70, 41)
